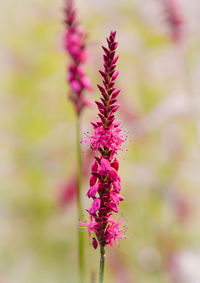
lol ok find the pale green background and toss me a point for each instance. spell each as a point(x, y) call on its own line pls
point(160, 87)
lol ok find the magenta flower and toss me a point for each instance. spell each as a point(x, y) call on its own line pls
point(91, 225)
point(74, 43)
point(106, 141)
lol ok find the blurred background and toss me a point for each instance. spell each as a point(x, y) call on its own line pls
point(159, 47)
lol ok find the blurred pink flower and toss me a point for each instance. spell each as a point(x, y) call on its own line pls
point(74, 43)
point(67, 192)
point(175, 19)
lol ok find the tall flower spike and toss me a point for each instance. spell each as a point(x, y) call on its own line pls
point(74, 44)
point(106, 141)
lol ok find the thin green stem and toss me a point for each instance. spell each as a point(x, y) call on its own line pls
point(79, 202)
point(102, 262)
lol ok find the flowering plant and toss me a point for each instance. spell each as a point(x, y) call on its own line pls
point(106, 141)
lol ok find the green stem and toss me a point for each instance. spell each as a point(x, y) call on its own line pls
point(79, 202)
point(102, 261)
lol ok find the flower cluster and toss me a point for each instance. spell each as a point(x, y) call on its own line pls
point(106, 141)
point(74, 44)
point(175, 19)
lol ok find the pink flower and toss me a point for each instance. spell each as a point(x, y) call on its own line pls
point(106, 140)
point(115, 164)
point(111, 137)
point(67, 192)
point(116, 198)
point(93, 190)
point(91, 225)
point(114, 232)
point(106, 170)
point(74, 43)
point(93, 180)
point(95, 166)
point(95, 206)
point(117, 185)
point(113, 206)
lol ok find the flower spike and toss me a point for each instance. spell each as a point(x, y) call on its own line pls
point(106, 141)
point(75, 46)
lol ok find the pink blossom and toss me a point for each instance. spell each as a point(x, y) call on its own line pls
point(113, 206)
point(91, 225)
point(74, 44)
point(116, 198)
point(106, 170)
point(95, 206)
point(93, 190)
point(106, 140)
point(115, 164)
point(110, 137)
point(94, 166)
point(93, 180)
point(67, 192)
point(117, 185)
point(114, 232)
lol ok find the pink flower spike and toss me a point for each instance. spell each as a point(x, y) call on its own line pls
point(75, 46)
point(106, 141)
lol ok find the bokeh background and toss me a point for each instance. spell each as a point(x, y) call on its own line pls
point(160, 81)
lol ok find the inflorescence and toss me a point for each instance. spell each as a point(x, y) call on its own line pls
point(74, 44)
point(106, 141)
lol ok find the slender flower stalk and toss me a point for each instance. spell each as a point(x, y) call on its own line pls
point(74, 43)
point(106, 141)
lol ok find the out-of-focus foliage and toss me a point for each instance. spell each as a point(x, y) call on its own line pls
point(160, 169)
